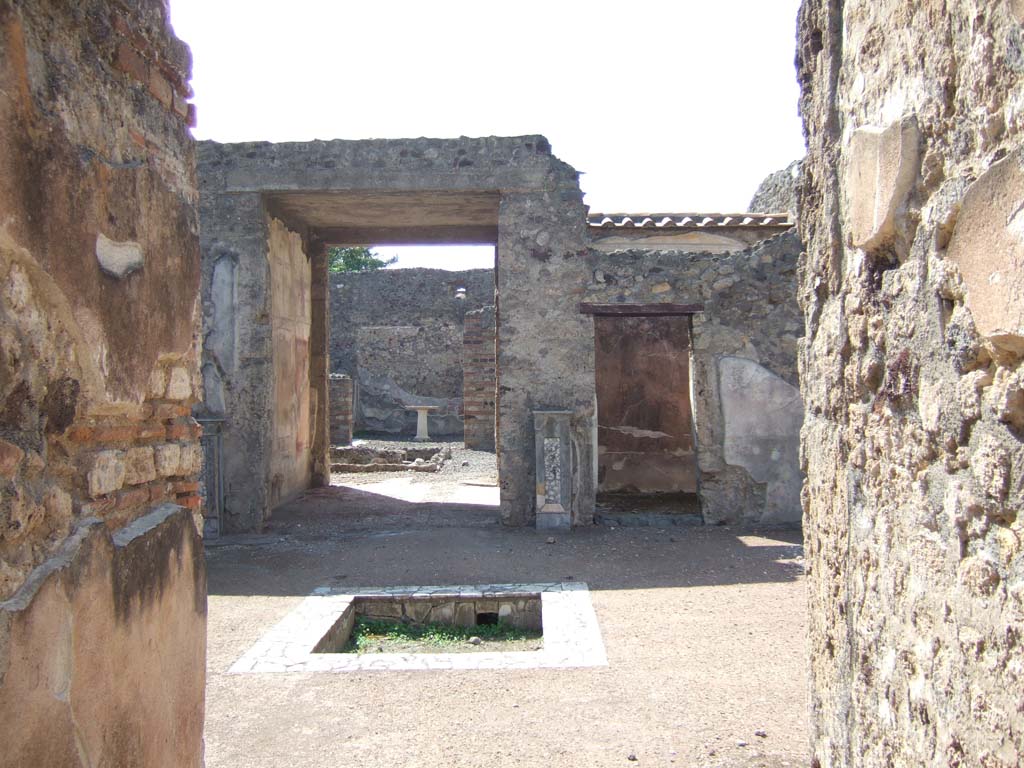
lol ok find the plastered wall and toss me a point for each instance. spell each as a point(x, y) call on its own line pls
point(291, 319)
point(100, 557)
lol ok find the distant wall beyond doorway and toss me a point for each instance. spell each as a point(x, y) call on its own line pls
point(399, 333)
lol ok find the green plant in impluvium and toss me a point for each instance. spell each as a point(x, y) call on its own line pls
point(370, 635)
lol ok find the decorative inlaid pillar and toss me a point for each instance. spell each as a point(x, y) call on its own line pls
point(554, 468)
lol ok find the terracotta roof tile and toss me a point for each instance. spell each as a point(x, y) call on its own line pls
point(687, 220)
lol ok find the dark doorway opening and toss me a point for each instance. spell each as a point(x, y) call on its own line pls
point(647, 467)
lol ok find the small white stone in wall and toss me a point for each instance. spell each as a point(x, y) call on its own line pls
point(179, 387)
point(107, 473)
point(118, 259)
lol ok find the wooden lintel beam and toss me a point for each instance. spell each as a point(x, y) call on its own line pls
point(640, 310)
point(418, 235)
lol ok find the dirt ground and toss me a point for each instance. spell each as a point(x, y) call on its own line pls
point(703, 628)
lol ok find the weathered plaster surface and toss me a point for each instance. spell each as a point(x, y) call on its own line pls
point(103, 650)
point(101, 643)
point(645, 430)
point(291, 318)
point(237, 348)
point(762, 415)
point(912, 381)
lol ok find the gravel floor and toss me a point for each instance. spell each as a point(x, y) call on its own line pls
point(463, 466)
point(703, 627)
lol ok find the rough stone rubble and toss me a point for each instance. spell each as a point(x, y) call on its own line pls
point(913, 295)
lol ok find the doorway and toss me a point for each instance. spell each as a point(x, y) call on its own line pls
point(646, 440)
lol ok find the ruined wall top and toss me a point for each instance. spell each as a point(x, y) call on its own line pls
point(490, 163)
point(777, 192)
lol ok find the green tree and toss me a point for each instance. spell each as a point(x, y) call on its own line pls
point(358, 259)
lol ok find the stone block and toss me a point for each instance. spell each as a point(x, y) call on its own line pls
point(179, 386)
point(382, 609)
point(486, 606)
point(107, 474)
point(987, 246)
point(443, 613)
point(139, 466)
point(465, 615)
point(118, 259)
point(191, 460)
point(418, 610)
point(158, 382)
point(167, 459)
point(881, 167)
point(58, 507)
point(10, 457)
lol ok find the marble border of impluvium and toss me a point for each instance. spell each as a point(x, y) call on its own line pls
point(572, 637)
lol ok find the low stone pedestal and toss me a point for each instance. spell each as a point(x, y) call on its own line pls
point(422, 434)
point(341, 399)
point(554, 470)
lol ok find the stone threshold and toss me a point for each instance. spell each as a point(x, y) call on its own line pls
point(572, 637)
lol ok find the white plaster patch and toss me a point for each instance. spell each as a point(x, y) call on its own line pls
point(637, 432)
point(572, 637)
point(762, 415)
point(118, 259)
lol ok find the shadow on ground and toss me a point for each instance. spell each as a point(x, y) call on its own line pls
point(341, 536)
point(703, 629)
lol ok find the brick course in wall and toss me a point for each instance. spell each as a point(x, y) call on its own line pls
point(479, 379)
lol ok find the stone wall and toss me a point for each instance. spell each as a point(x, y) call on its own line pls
point(256, 372)
point(100, 561)
point(479, 379)
point(910, 206)
point(398, 332)
point(510, 190)
point(777, 193)
point(746, 405)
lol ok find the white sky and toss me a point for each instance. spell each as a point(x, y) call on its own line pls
point(665, 105)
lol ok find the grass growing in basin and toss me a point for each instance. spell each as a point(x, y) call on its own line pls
point(385, 636)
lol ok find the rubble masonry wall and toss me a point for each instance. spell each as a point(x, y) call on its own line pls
point(912, 289)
